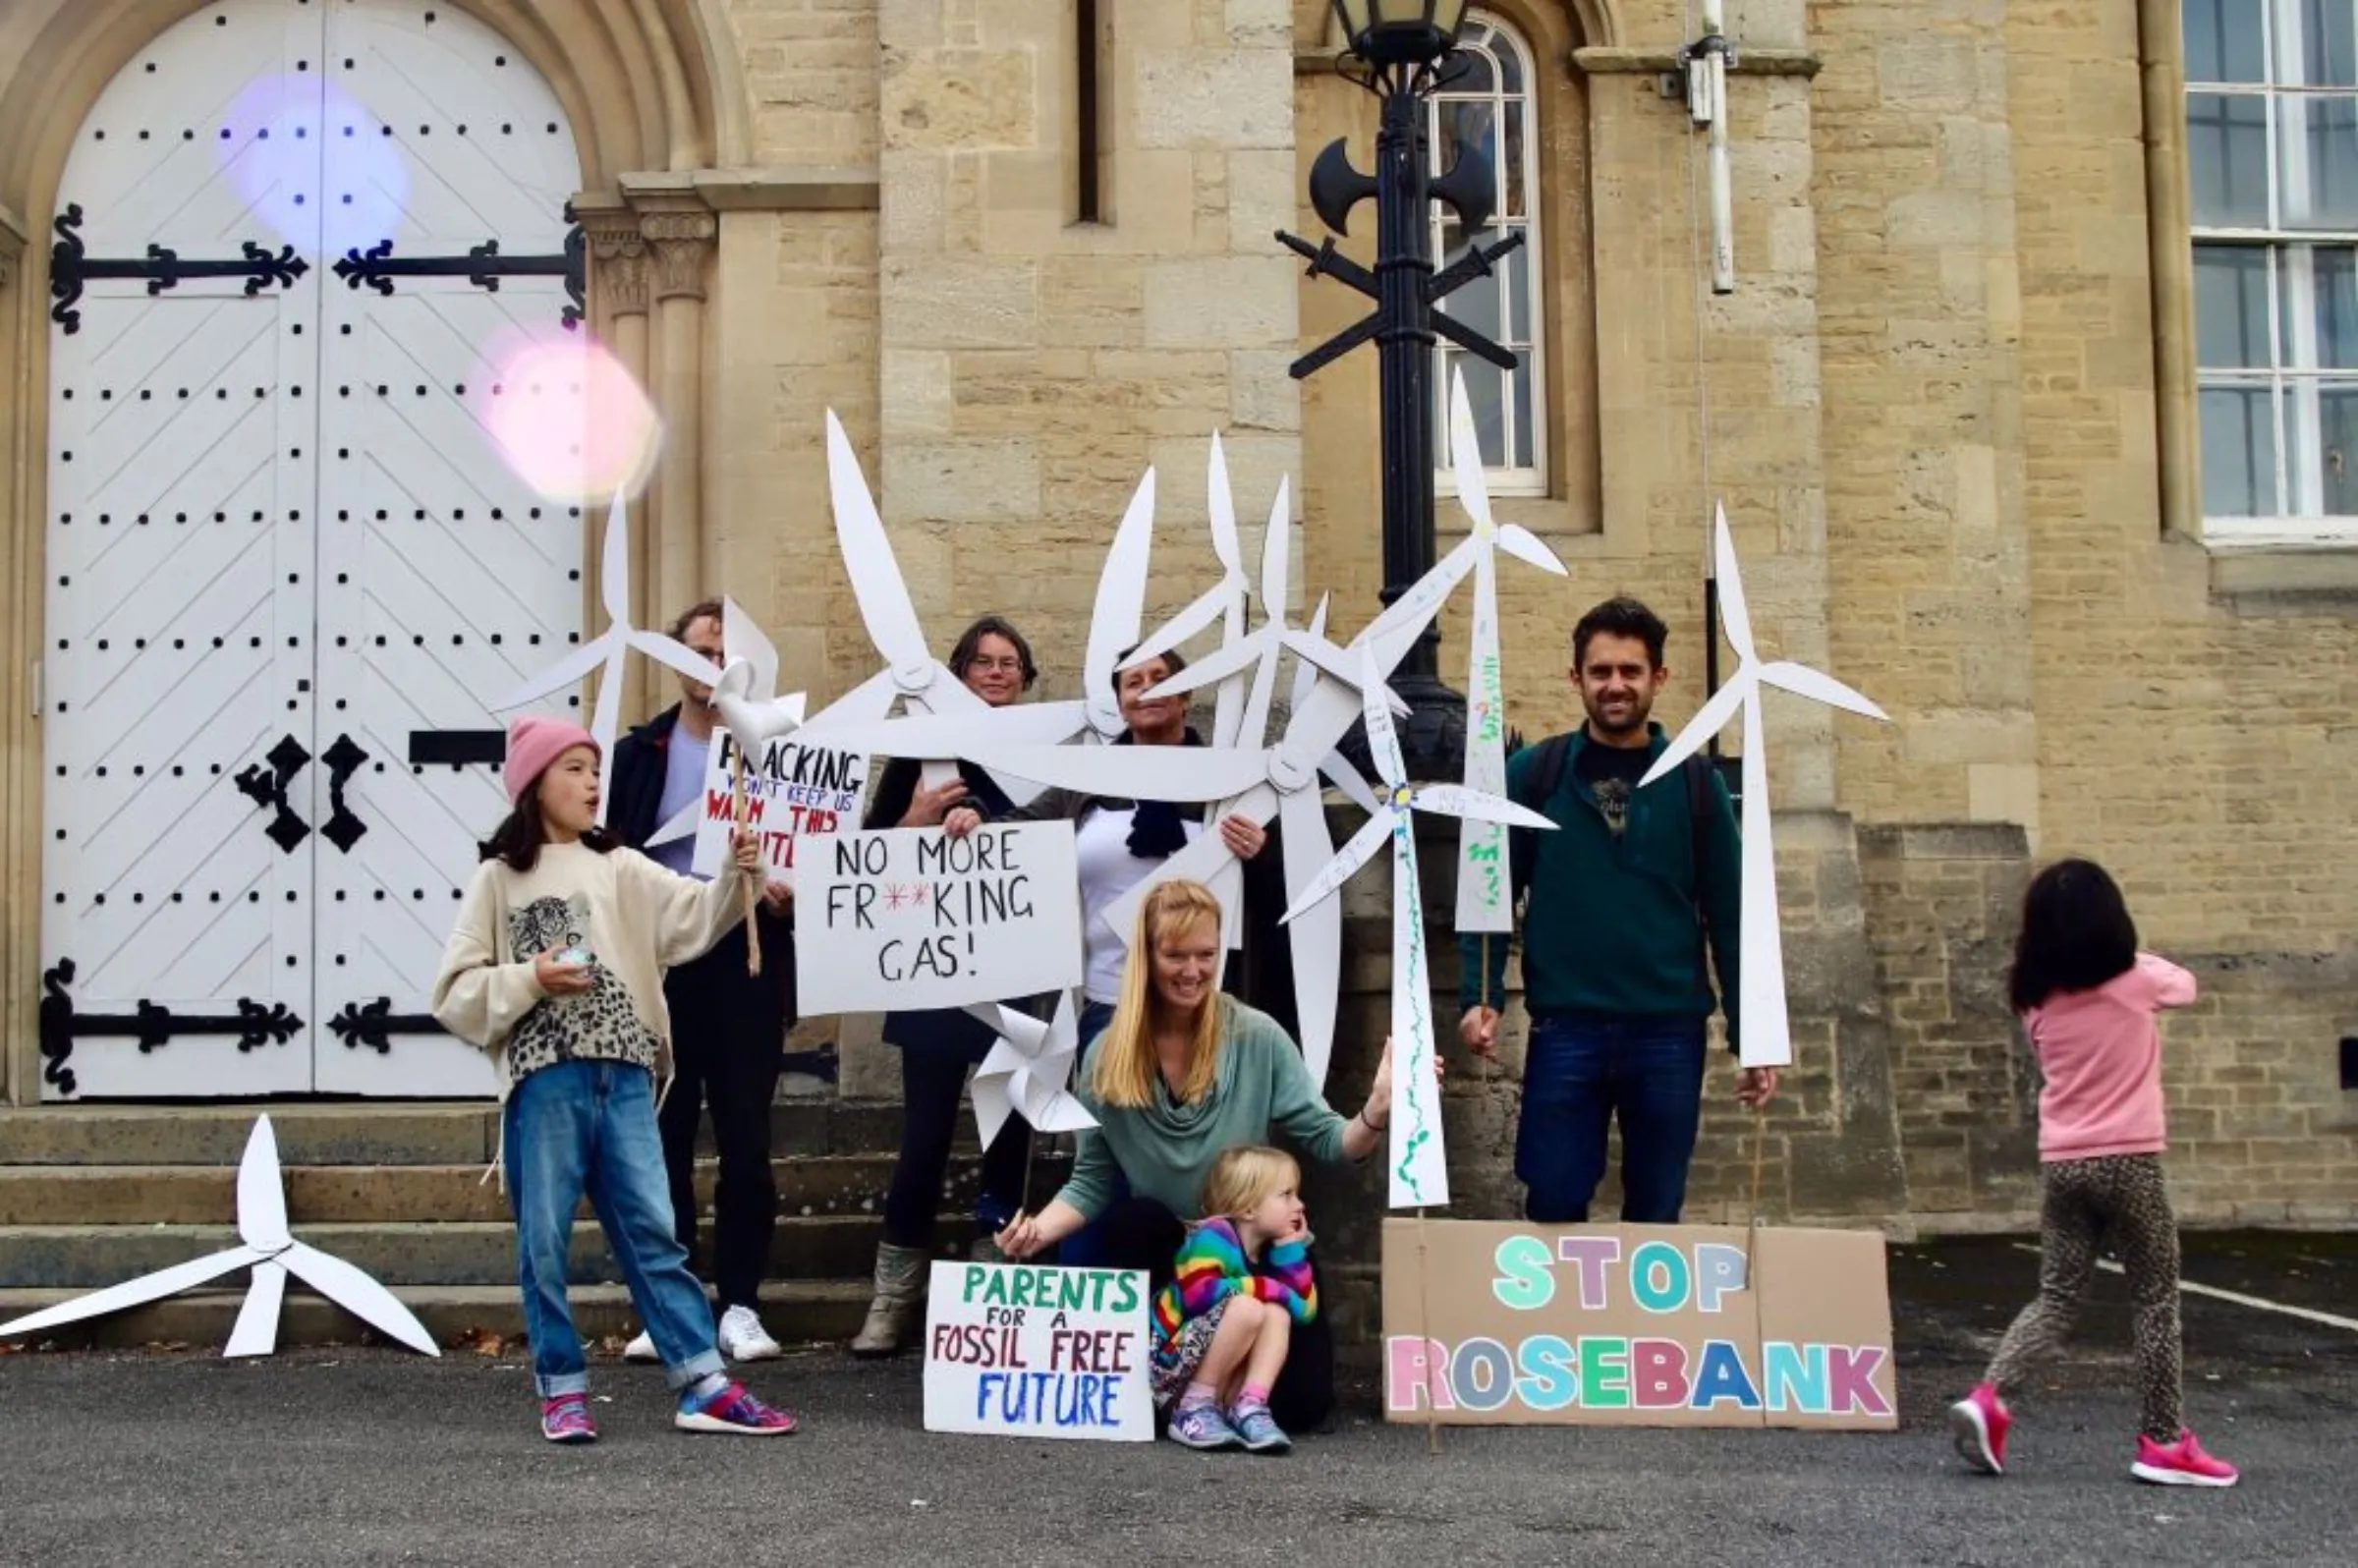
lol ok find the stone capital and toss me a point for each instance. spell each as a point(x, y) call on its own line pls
point(617, 256)
point(682, 242)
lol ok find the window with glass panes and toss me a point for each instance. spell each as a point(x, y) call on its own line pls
point(2272, 117)
point(1489, 107)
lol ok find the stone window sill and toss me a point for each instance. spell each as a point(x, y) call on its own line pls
point(2318, 578)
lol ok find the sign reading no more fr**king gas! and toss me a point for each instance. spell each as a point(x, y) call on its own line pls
point(1646, 1325)
point(1020, 1350)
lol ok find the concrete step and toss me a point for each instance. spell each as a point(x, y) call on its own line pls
point(808, 1187)
point(460, 1253)
point(796, 1311)
point(370, 1133)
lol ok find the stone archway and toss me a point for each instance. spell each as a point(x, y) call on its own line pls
point(650, 93)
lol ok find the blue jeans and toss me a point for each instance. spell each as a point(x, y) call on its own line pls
point(1579, 1072)
point(588, 1128)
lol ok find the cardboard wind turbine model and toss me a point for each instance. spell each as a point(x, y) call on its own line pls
point(1418, 1168)
point(608, 653)
point(271, 1252)
point(1485, 896)
point(1765, 1039)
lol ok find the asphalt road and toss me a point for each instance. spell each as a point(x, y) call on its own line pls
point(369, 1456)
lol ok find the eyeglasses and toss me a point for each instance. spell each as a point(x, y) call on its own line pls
point(1011, 666)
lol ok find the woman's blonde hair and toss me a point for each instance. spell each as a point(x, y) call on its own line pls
point(1245, 1177)
point(1123, 1068)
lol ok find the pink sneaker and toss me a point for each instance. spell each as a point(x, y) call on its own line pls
point(2180, 1464)
point(1980, 1422)
point(566, 1419)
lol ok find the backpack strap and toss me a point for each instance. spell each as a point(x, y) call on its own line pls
point(1538, 788)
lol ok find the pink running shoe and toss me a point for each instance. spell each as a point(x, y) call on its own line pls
point(2180, 1464)
point(731, 1410)
point(566, 1419)
point(1980, 1422)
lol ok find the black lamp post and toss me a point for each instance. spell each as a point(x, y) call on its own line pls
point(1400, 51)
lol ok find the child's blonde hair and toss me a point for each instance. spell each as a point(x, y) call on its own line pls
point(1244, 1178)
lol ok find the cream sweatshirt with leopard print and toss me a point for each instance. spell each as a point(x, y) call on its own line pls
point(634, 917)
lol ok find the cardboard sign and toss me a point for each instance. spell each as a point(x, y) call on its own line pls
point(910, 917)
point(1018, 1350)
point(790, 790)
point(1636, 1325)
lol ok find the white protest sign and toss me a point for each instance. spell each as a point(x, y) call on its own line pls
point(1020, 1350)
point(914, 919)
point(790, 790)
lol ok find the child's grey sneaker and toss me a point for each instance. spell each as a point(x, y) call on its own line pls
point(1258, 1430)
point(1202, 1427)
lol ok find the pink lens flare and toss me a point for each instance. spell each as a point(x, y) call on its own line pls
point(570, 420)
point(313, 164)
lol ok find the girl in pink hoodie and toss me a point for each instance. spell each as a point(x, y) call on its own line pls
point(2090, 1001)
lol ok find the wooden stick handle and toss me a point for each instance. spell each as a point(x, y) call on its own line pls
point(753, 888)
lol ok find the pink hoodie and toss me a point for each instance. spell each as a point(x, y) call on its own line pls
point(2101, 1054)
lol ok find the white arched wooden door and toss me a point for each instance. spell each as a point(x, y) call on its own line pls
point(296, 244)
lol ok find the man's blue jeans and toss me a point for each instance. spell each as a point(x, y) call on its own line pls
point(580, 1128)
point(1580, 1071)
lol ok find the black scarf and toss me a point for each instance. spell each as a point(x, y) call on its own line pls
point(1158, 831)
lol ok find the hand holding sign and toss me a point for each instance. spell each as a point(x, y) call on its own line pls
point(754, 719)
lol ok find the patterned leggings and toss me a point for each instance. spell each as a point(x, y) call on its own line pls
point(2085, 1198)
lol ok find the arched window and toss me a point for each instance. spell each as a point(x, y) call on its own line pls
point(1490, 107)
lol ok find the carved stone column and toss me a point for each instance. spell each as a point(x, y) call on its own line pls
point(680, 235)
point(618, 281)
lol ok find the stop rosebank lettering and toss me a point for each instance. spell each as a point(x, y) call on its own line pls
point(1557, 1371)
point(1085, 1367)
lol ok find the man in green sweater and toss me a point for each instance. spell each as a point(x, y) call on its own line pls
point(1622, 899)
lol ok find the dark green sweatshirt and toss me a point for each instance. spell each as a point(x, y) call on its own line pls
point(1611, 926)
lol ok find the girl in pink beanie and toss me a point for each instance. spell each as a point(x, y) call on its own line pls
point(556, 967)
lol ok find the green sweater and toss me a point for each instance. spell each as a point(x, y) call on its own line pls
point(1610, 924)
point(1166, 1150)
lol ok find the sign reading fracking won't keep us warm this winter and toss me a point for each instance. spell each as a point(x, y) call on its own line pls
point(792, 792)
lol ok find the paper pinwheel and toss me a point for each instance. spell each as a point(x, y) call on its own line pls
point(1094, 717)
point(1420, 1174)
point(1484, 901)
point(1026, 1071)
point(1765, 1039)
point(609, 652)
point(1278, 781)
point(747, 694)
point(271, 1252)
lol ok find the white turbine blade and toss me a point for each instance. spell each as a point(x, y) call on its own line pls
point(1315, 933)
point(1222, 502)
point(1318, 652)
point(1523, 544)
point(359, 1295)
point(681, 659)
point(1373, 835)
point(1403, 621)
point(1121, 604)
point(256, 1332)
point(1273, 587)
point(741, 637)
point(1253, 730)
point(865, 703)
point(1817, 686)
point(868, 558)
point(1384, 745)
point(614, 564)
point(1476, 806)
point(1465, 456)
point(1305, 669)
point(922, 737)
point(1765, 1037)
point(1204, 859)
point(577, 666)
point(1206, 608)
point(682, 826)
point(605, 720)
point(133, 1292)
point(1344, 775)
point(261, 1191)
point(1708, 721)
point(1220, 664)
point(1735, 616)
point(1183, 773)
